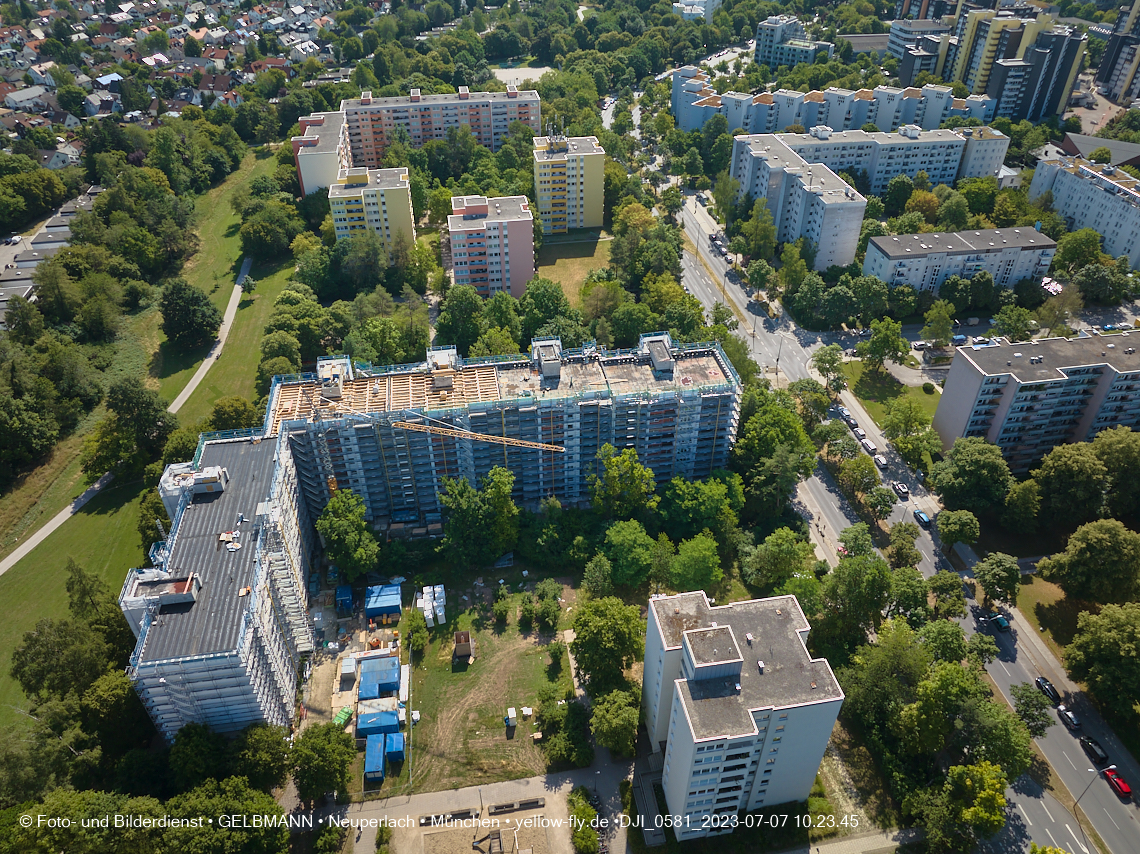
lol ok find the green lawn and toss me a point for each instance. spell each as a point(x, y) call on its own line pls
point(213, 269)
point(103, 537)
point(568, 263)
point(875, 389)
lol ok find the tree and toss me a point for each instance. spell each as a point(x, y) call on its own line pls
point(1101, 154)
point(197, 755)
point(953, 213)
point(234, 413)
point(1022, 503)
point(724, 192)
point(760, 274)
point(1000, 577)
point(1032, 707)
point(957, 526)
point(481, 524)
point(1119, 449)
point(188, 316)
point(608, 639)
point(350, 543)
point(269, 232)
point(885, 344)
point(461, 320)
point(495, 341)
point(697, 564)
point(630, 552)
point(760, 231)
point(905, 417)
point(597, 579)
point(261, 755)
point(258, 822)
point(858, 475)
point(59, 656)
point(614, 722)
point(880, 501)
point(772, 563)
point(1101, 283)
point(1103, 654)
point(939, 323)
point(856, 592)
point(1015, 323)
point(974, 476)
point(925, 203)
point(417, 632)
point(945, 639)
point(793, 269)
point(134, 432)
point(898, 193)
point(828, 362)
point(857, 540)
point(949, 603)
point(902, 551)
point(321, 756)
point(1101, 562)
point(692, 506)
point(1072, 480)
point(625, 487)
point(1078, 249)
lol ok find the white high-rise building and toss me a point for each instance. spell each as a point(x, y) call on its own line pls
point(740, 708)
point(691, 10)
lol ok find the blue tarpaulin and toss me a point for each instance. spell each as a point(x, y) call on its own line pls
point(395, 749)
point(374, 758)
point(343, 598)
point(372, 723)
point(384, 672)
point(382, 599)
point(388, 721)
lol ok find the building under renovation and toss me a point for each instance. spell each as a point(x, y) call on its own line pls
point(393, 434)
point(220, 617)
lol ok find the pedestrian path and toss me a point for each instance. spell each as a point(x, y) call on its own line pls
point(870, 843)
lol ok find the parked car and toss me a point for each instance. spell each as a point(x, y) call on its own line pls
point(868, 447)
point(902, 489)
point(843, 411)
point(851, 422)
point(919, 345)
point(981, 339)
point(1110, 327)
point(1093, 749)
point(999, 621)
point(880, 461)
point(1046, 688)
point(1117, 782)
point(859, 433)
point(922, 518)
point(1068, 717)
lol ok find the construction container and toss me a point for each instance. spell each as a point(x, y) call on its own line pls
point(347, 671)
point(374, 758)
point(395, 748)
point(512, 718)
point(375, 723)
point(343, 598)
point(382, 600)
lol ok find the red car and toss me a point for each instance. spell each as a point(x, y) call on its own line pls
point(1118, 783)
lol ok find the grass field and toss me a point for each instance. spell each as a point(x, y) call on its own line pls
point(213, 269)
point(568, 264)
point(103, 537)
point(875, 389)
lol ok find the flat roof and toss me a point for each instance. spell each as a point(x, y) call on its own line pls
point(211, 623)
point(816, 176)
point(791, 676)
point(1052, 356)
point(962, 242)
point(713, 645)
point(880, 137)
point(327, 133)
point(406, 100)
point(574, 145)
point(501, 209)
point(377, 179)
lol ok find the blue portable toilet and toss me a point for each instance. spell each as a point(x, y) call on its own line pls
point(382, 601)
point(343, 597)
point(374, 758)
point(395, 750)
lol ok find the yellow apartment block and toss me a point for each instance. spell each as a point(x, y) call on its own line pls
point(568, 182)
point(376, 199)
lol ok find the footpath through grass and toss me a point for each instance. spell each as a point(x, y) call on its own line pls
point(875, 389)
point(213, 269)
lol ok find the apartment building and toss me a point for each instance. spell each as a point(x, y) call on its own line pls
point(372, 121)
point(905, 34)
point(945, 155)
point(377, 200)
point(739, 707)
point(491, 243)
point(805, 199)
point(321, 152)
point(925, 9)
point(1117, 69)
point(1037, 84)
point(676, 405)
point(925, 261)
point(694, 102)
point(782, 40)
point(1096, 196)
point(692, 10)
point(568, 182)
point(220, 618)
point(1028, 398)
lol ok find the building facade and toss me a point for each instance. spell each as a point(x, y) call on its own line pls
point(692, 10)
point(1096, 196)
point(781, 40)
point(568, 182)
point(491, 243)
point(220, 619)
point(739, 707)
point(677, 405)
point(321, 151)
point(1028, 398)
point(694, 102)
point(376, 200)
point(805, 199)
point(1121, 58)
point(905, 34)
point(1037, 84)
point(925, 261)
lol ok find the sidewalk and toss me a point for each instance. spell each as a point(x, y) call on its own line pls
point(870, 843)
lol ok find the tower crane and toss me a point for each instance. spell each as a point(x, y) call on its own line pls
point(476, 437)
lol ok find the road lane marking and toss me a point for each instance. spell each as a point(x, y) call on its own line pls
point(1048, 813)
point(1006, 669)
point(1024, 813)
point(1075, 839)
point(1066, 755)
point(1051, 837)
point(1110, 818)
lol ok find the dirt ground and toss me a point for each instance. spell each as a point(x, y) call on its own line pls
point(467, 840)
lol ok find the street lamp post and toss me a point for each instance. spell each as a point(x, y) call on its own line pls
point(1077, 804)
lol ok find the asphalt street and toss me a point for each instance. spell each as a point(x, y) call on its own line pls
point(1034, 815)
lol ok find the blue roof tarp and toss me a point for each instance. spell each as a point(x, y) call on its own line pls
point(374, 757)
point(372, 723)
point(388, 721)
point(344, 597)
point(379, 664)
point(395, 749)
point(383, 672)
point(368, 690)
point(382, 599)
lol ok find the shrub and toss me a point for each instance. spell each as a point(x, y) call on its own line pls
point(928, 388)
point(526, 612)
point(584, 835)
point(501, 609)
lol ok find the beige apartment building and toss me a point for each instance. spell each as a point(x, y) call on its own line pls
point(568, 182)
point(378, 200)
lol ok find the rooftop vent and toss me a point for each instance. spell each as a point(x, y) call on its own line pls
point(760, 666)
point(748, 637)
point(714, 624)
